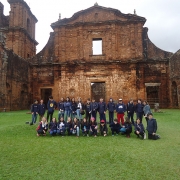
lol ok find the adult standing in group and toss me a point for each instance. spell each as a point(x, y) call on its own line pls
point(120, 109)
point(73, 108)
point(139, 110)
point(51, 106)
point(146, 110)
point(79, 109)
point(42, 110)
point(94, 107)
point(102, 110)
point(130, 110)
point(34, 111)
point(61, 108)
point(111, 107)
point(67, 108)
point(88, 110)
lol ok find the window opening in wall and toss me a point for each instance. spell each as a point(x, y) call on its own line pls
point(97, 46)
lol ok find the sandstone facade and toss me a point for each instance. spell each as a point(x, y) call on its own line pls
point(129, 66)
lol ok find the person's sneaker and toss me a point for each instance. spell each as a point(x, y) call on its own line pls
point(77, 136)
point(87, 135)
point(95, 136)
point(38, 135)
point(117, 134)
point(112, 134)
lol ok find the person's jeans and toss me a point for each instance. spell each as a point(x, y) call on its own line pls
point(66, 114)
point(53, 132)
point(79, 116)
point(34, 118)
point(60, 114)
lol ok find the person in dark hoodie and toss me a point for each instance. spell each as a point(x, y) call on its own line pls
point(42, 110)
point(76, 127)
point(34, 111)
point(69, 126)
point(120, 109)
point(94, 107)
point(51, 106)
point(128, 127)
point(103, 128)
point(73, 108)
point(130, 110)
point(111, 107)
point(67, 107)
point(115, 127)
point(139, 110)
point(85, 127)
point(93, 127)
point(61, 108)
point(102, 109)
point(88, 110)
point(53, 127)
point(152, 127)
point(139, 129)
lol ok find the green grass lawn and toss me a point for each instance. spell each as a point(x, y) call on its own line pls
point(23, 155)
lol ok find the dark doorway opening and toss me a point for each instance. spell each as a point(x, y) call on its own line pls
point(45, 93)
point(174, 94)
point(152, 95)
point(98, 90)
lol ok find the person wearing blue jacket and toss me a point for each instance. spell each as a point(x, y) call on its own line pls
point(120, 109)
point(61, 108)
point(146, 110)
point(88, 110)
point(73, 108)
point(67, 108)
point(115, 127)
point(53, 127)
point(111, 107)
point(102, 110)
point(130, 110)
point(51, 106)
point(139, 110)
point(139, 129)
point(34, 112)
point(152, 127)
point(94, 107)
point(42, 110)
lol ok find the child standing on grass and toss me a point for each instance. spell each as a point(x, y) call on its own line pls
point(93, 127)
point(34, 111)
point(115, 127)
point(43, 127)
point(53, 127)
point(75, 127)
point(85, 127)
point(69, 126)
point(61, 127)
point(139, 129)
point(103, 128)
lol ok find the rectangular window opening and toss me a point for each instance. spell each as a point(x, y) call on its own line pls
point(97, 46)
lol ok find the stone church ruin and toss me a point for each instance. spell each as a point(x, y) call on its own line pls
point(128, 65)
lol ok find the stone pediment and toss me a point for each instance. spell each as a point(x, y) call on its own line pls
point(98, 14)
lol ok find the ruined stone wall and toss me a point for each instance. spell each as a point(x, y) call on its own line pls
point(174, 64)
point(119, 42)
point(14, 82)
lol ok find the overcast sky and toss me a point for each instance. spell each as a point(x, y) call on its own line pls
point(163, 17)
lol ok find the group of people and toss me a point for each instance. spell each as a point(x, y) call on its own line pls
point(70, 117)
